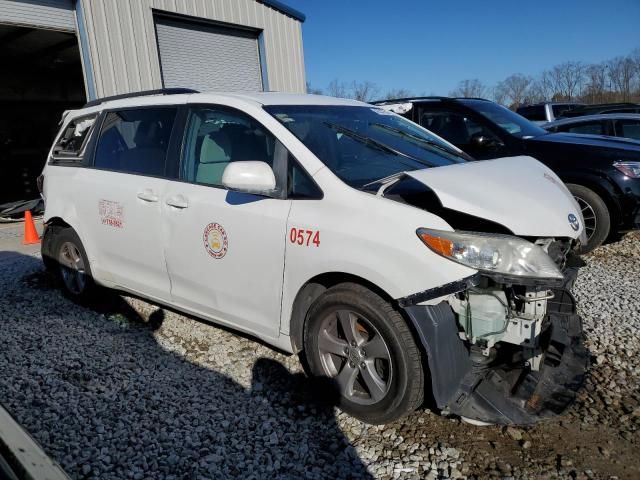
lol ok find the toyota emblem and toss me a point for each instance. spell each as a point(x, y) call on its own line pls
point(574, 222)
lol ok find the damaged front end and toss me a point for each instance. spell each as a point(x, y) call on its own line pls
point(504, 350)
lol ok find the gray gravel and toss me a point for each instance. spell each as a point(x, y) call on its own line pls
point(125, 389)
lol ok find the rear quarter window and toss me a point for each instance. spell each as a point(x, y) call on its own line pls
point(70, 146)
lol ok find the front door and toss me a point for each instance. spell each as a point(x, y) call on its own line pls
point(225, 250)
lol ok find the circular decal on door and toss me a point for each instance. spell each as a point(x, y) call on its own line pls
point(215, 240)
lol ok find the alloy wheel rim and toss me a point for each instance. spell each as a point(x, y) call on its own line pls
point(589, 217)
point(354, 353)
point(72, 268)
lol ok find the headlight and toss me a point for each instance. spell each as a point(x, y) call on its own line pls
point(504, 254)
point(630, 169)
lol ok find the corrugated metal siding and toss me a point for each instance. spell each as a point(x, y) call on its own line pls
point(124, 50)
point(53, 14)
point(218, 59)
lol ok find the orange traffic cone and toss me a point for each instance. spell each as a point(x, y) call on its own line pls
point(30, 233)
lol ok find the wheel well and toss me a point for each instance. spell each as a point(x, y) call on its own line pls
point(57, 222)
point(310, 292)
point(316, 286)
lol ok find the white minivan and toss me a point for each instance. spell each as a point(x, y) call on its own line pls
point(395, 267)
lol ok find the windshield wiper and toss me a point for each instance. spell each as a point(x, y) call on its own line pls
point(374, 143)
point(385, 182)
point(426, 141)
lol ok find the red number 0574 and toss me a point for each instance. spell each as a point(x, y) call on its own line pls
point(304, 237)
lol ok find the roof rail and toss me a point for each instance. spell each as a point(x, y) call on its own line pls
point(407, 99)
point(144, 93)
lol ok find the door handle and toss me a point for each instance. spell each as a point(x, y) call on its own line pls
point(178, 202)
point(148, 196)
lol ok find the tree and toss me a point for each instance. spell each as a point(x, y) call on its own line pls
point(337, 88)
point(514, 89)
point(398, 93)
point(470, 88)
point(622, 71)
point(499, 95)
point(596, 83)
point(313, 90)
point(569, 76)
point(365, 91)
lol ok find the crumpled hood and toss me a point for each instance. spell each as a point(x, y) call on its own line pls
point(519, 193)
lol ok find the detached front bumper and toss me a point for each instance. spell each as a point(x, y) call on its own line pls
point(466, 383)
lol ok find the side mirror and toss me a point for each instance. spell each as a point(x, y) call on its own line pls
point(479, 140)
point(249, 177)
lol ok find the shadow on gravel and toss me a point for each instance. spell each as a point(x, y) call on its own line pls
point(94, 387)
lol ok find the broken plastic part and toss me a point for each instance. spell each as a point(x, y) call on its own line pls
point(505, 391)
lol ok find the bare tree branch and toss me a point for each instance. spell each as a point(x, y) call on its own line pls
point(514, 89)
point(364, 91)
point(470, 88)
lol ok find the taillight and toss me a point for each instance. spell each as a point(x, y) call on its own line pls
point(40, 183)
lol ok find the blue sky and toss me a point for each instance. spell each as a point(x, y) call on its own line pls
point(428, 46)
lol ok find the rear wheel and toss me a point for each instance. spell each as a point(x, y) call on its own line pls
point(73, 265)
point(597, 221)
point(356, 338)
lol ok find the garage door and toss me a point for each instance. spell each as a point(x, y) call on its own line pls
point(54, 14)
point(208, 58)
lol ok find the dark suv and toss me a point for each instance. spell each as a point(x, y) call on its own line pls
point(602, 173)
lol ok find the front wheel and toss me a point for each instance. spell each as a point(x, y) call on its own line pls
point(597, 221)
point(356, 339)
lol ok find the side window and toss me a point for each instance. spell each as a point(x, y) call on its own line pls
point(135, 140)
point(591, 128)
point(535, 114)
point(74, 137)
point(215, 137)
point(558, 110)
point(453, 127)
point(628, 129)
point(299, 183)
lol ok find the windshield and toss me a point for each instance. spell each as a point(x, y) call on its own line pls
point(364, 144)
point(505, 119)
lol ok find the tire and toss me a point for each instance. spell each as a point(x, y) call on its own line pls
point(73, 269)
point(378, 386)
point(597, 220)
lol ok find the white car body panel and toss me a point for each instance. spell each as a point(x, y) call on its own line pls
point(243, 285)
point(159, 253)
point(370, 237)
point(531, 202)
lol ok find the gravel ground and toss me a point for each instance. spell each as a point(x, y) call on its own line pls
point(124, 389)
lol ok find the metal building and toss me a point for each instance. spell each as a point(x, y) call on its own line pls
point(60, 53)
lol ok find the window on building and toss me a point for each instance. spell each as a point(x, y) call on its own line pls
point(135, 141)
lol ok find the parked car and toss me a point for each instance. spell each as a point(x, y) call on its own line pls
point(624, 125)
point(602, 173)
point(543, 112)
point(21, 457)
point(600, 108)
point(334, 229)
